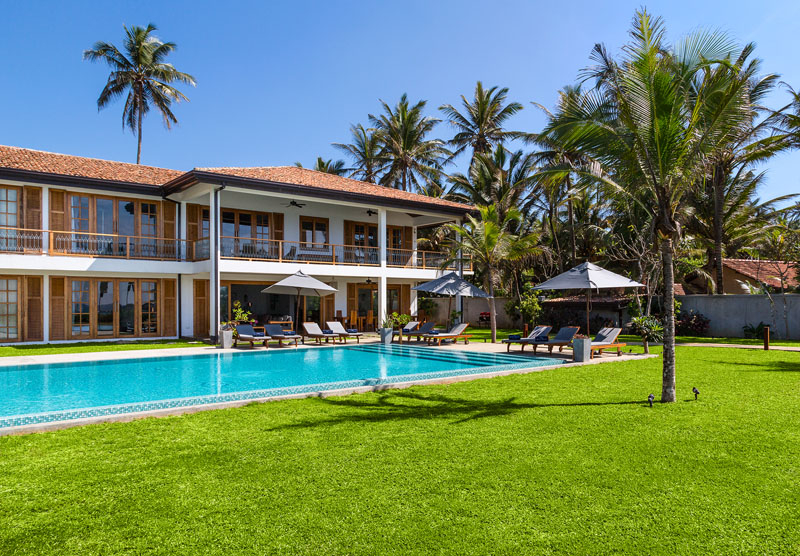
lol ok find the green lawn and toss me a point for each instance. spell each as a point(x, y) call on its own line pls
point(85, 347)
point(567, 461)
point(481, 334)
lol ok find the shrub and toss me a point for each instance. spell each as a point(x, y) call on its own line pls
point(649, 328)
point(754, 331)
point(691, 323)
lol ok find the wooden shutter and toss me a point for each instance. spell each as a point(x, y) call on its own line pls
point(58, 206)
point(192, 222)
point(33, 309)
point(328, 312)
point(32, 207)
point(168, 210)
point(352, 301)
point(408, 233)
point(405, 299)
point(201, 315)
point(58, 308)
point(170, 318)
point(348, 232)
point(277, 225)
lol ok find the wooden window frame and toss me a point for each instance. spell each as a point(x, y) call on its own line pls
point(19, 293)
point(314, 220)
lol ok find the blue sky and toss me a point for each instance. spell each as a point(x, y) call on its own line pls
point(279, 81)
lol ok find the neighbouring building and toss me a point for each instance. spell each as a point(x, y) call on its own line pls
point(95, 249)
point(740, 275)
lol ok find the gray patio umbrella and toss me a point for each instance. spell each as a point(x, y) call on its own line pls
point(451, 284)
point(299, 284)
point(587, 276)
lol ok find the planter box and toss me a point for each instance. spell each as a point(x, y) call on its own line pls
point(386, 335)
point(581, 349)
point(225, 339)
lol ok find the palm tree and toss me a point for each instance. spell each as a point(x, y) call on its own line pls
point(490, 243)
point(411, 156)
point(365, 150)
point(330, 166)
point(749, 143)
point(142, 73)
point(651, 124)
point(480, 125)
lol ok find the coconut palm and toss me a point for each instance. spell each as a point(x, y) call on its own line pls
point(490, 242)
point(140, 71)
point(330, 166)
point(652, 124)
point(412, 157)
point(480, 123)
point(365, 150)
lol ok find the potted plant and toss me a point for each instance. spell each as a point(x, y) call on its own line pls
point(581, 348)
point(649, 329)
point(386, 330)
point(226, 331)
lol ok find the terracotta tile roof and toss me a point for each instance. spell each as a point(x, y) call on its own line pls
point(765, 271)
point(67, 165)
point(679, 289)
point(312, 178)
point(596, 299)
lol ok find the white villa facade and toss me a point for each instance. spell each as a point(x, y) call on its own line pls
point(93, 249)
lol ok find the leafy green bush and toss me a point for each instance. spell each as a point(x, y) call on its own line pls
point(649, 329)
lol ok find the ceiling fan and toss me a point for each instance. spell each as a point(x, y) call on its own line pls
point(296, 204)
point(371, 212)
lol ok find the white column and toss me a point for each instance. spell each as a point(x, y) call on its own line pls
point(45, 307)
point(213, 259)
point(414, 261)
point(382, 309)
point(45, 218)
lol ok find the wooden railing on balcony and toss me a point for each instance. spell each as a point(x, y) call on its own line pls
point(87, 244)
point(408, 258)
point(278, 250)
point(20, 240)
point(245, 248)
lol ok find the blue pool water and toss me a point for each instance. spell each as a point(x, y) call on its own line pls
point(54, 392)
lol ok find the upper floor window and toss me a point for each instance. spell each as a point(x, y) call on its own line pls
point(313, 230)
point(9, 206)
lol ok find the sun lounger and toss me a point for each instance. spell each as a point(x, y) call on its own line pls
point(313, 331)
point(453, 334)
point(607, 339)
point(343, 333)
point(407, 330)
point(562, 338)
point(425, 328)
point(535, 335)
point(246, 333)
point(276, 333)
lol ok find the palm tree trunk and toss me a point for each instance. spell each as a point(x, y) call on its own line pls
point(139, 130)
point(719, 201)
point(668, 372)
point(550, 219)
point(492, 310)
point(571, 214)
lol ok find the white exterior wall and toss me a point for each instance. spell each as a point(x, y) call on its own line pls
point(187, 271)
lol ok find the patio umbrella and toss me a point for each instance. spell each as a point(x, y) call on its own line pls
point(451, 284)
point(587, 276)
point(299, 284)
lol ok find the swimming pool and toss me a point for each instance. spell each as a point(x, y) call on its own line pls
point(45, 393)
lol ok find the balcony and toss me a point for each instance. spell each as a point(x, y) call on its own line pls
point(274, 250)
point(86, 244)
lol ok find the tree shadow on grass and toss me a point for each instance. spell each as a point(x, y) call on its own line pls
point(399, 405)
point(771, 366)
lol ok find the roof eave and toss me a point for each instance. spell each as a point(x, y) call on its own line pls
point(64, 180)
point(181, 183)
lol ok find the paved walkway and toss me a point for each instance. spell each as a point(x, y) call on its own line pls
point(713, 345)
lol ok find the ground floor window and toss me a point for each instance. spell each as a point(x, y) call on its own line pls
point(115, 308)
point(9, 324)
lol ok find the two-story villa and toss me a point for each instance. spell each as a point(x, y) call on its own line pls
point(95, 249)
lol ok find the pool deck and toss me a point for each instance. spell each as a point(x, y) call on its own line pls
point(116, 355)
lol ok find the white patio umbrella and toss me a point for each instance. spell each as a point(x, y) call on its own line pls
point(299, 284)
point(587, 276)
point(451, 284)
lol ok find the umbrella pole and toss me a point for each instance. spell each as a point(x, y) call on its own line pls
point(588, 298)
point(449, 310)
point(297, 312)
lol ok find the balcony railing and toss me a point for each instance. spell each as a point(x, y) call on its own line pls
point(120, 247)
point(326, 253)
point(20, 240)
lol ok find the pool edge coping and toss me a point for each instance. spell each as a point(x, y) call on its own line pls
point(176, 411)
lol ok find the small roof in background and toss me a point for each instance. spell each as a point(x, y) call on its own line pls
point(765, 271)
point(451, 284)
point(300, 283)
point(587, 276)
